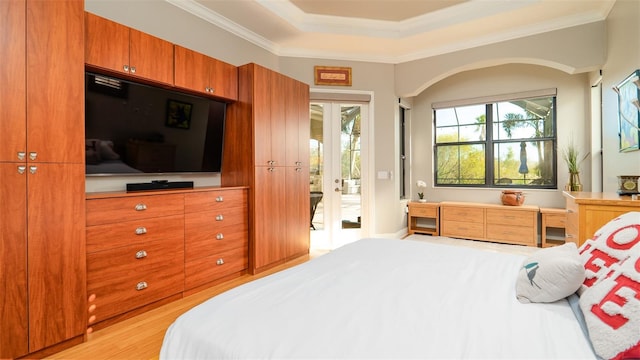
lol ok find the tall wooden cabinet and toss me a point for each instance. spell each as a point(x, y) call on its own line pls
point(271, 118)
point(117, 48)
point(42, 261)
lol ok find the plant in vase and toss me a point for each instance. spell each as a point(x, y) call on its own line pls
point(421, 186)
point(570, 155)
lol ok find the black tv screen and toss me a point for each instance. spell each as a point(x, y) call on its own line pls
point(133, 128)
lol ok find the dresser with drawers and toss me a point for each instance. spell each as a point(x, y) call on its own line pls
point(491, 222)
point(145, 249)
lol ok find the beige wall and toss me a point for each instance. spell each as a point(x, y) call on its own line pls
point(575, 50)
point(623, 57)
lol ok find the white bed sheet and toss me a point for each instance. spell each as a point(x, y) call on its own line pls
point(381, 298)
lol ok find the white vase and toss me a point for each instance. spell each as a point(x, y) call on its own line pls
point(422, 200)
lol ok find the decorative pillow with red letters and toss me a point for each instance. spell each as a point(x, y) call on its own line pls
point(611, 309)
point(612, 243)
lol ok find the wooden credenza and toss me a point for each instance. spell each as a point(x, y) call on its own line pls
point(589, 211)
point(145, 249)
point(492, 222)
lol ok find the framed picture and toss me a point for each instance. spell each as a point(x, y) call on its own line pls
point(629, 112)
point(332, 75)
point(178, 114)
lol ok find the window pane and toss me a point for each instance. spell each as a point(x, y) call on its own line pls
point(521, 138)
point(523, 163)
point(460, 164)
point(460, 124)
point(523, 119)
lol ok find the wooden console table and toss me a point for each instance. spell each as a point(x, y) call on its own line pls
point(589, 211)
point(424, 218)
point(552, 226)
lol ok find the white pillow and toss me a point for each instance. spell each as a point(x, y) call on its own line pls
point(611, 310)
point(550, 274)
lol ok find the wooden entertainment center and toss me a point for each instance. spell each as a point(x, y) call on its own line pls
point(121, 253)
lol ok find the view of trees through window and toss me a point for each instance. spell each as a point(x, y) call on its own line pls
point(502, 144)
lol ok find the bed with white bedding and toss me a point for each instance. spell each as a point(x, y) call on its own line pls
point(382, 298)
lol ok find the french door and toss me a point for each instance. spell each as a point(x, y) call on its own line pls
point(338, 171)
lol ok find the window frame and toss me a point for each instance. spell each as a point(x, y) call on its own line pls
point(489, 142)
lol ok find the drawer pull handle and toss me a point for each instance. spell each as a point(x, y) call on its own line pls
point(219, 217)
point(141, 207)
point(141, 254)
point(569, 236)
point(141, 230)
point(219, 198)
point(219, 236)
point(220, 262)
point(570, 211)
point(141, 285)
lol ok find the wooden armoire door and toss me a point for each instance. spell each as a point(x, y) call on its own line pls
point(12, 85)
point(13, 265)
point(56, 253)
point(269, 211)
point(55, 169)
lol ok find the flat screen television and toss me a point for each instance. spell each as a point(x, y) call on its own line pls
point(137, 129)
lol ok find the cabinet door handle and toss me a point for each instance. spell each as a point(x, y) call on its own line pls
point(125, 68)
point(21, 155)
point(21, 169)
point(33, 155)
point(33, 169)
point(219, 198)
point(141, 230)
point(141, 254)
point(219, 217)
point(141, 207)
point(220, 262)
point(219, 236)
point(133, 70)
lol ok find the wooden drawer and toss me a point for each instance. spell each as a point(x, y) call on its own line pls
point(525, 235)
point(115, 210)
point(469, 230)
point(216, 218)
point(110, 236)
point(210, 241)
point(214, 200)
point(464, 214)
point(555, 220)
point(204, 270)
point(423, 211)
point(114, 275)
point(511, 217)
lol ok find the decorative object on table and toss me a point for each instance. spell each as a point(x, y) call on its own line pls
point(629, 112)
point(570, 155)
point(421, 186)
point(628, 184)
point(512, 197)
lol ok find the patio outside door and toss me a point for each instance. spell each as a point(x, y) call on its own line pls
point(336, 164)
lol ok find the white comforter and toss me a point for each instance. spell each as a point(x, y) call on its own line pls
point(381, 298)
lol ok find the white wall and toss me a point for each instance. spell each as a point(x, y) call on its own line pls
point(623, 37)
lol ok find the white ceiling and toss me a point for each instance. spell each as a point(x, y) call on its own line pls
point(389, 31)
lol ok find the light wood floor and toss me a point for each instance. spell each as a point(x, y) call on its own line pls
point(141, 337)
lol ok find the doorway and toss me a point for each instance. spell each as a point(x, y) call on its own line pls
point(338, 173)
